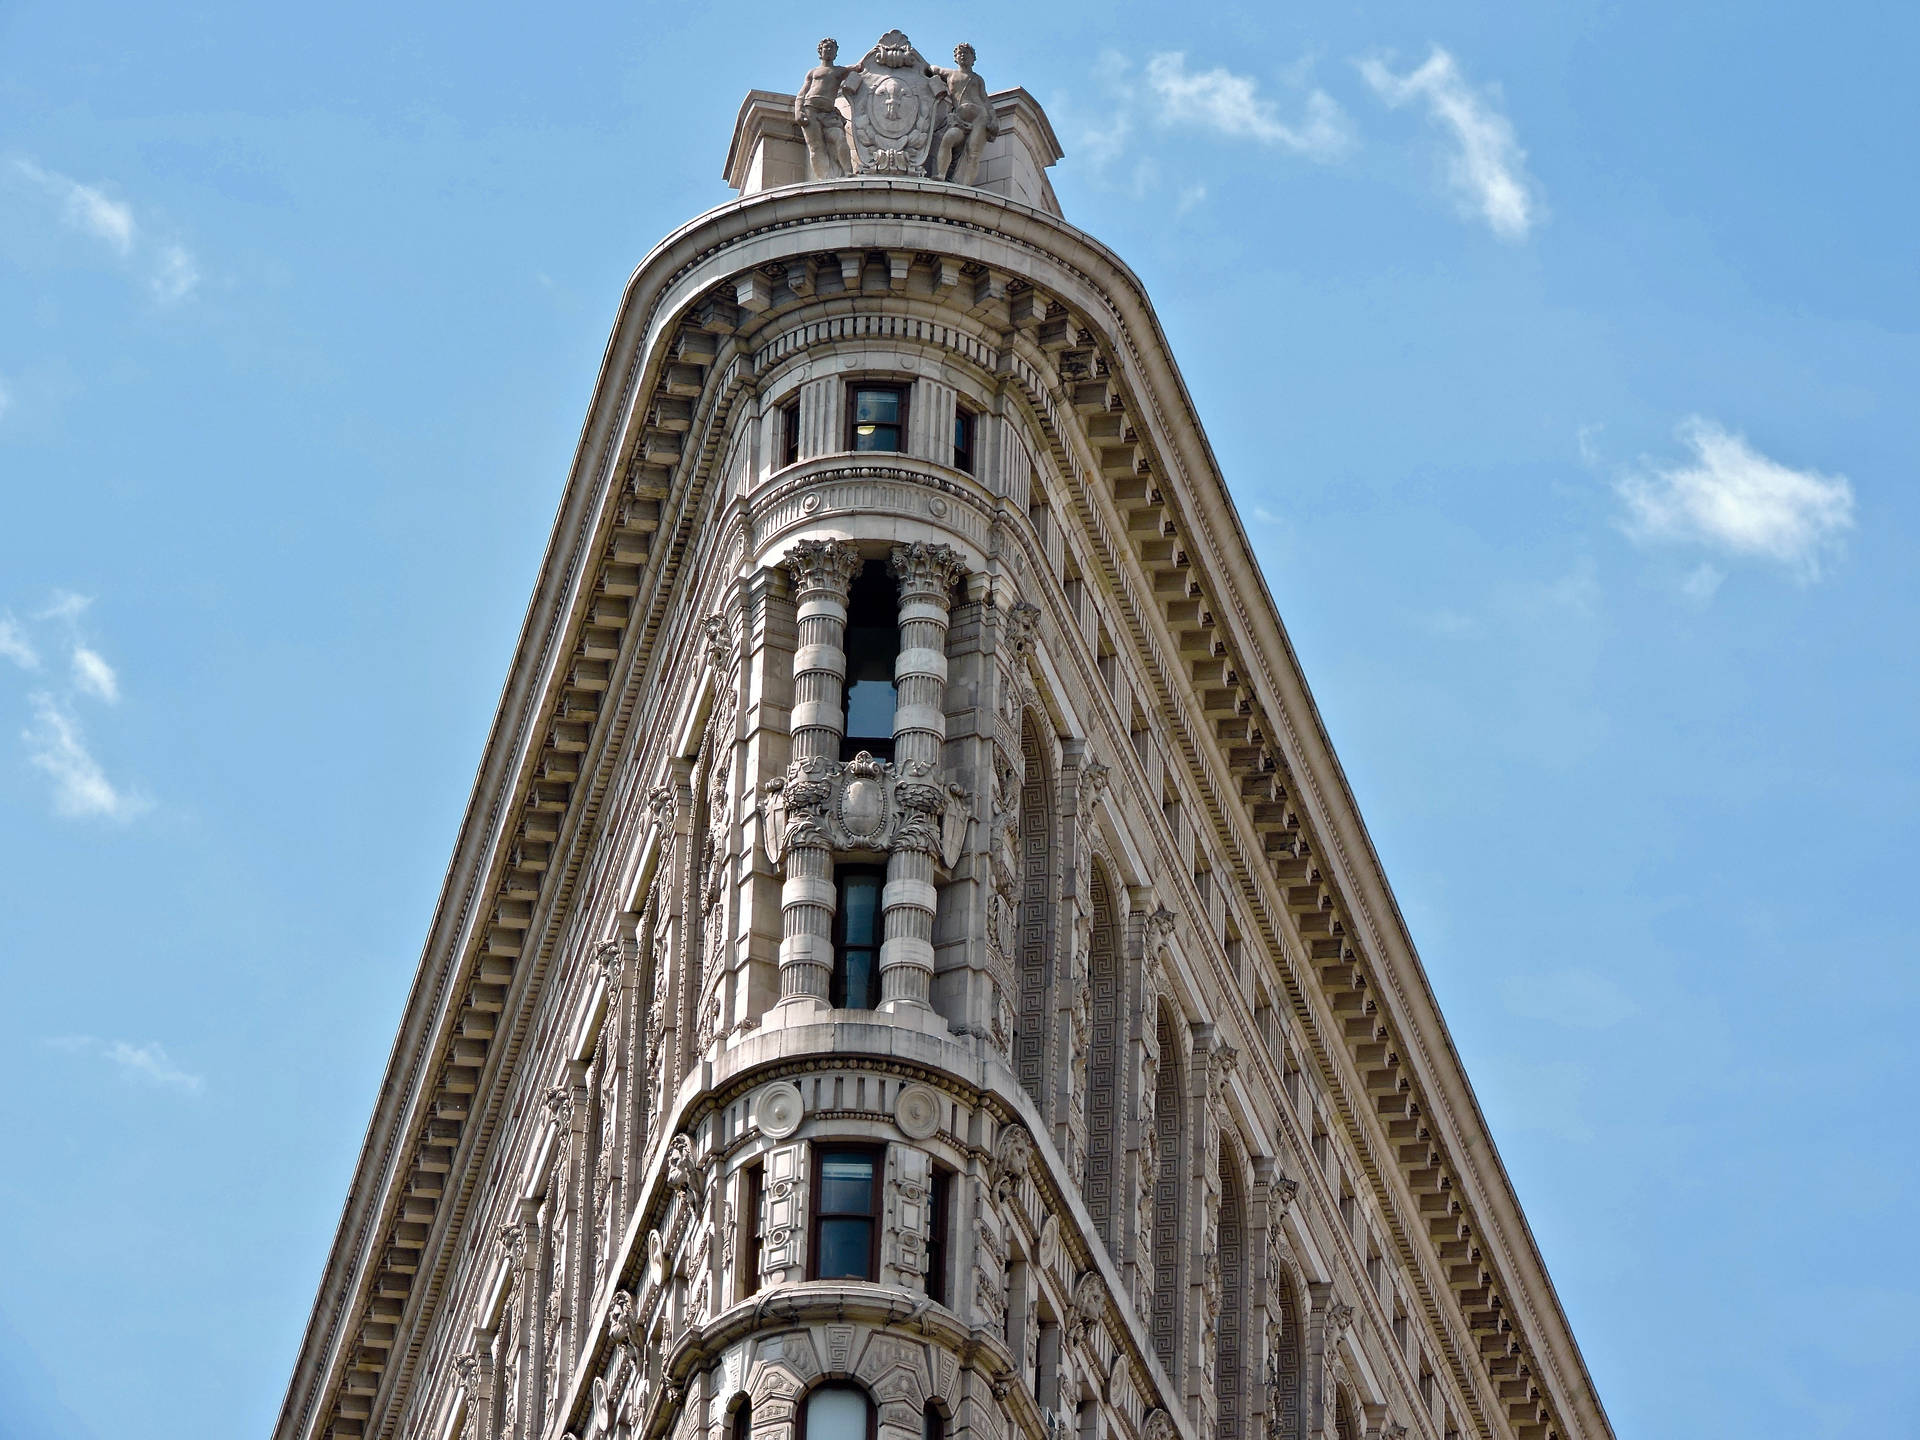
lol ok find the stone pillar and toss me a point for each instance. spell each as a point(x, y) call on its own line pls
point(823, 572)
point(927, 575)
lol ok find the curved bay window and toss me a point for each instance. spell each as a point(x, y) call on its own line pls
point(855, 982)
point(846, 1215)
point(872, 648)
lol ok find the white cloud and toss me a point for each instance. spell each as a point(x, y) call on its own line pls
point(1488, 167)
point(81, 789)
point(175, 276)
point(15, 646)
point(94, 676)
point(6, 399)
point(85, 207)
point(172, 273)
point(1190, 196)
point(1732, 498)
point(149, 1063)
point(65, 605)
point(1576, 998)
point(1220, 100)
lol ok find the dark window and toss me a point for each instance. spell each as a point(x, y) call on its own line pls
point(790, 432)
point(933, 1425)
point(872, 649)
point(855, 983)
point(750, 1223)
point(846, 1232)
point(963, 440)
point(937, 1242)
point(876, 417)
point(742, 1426)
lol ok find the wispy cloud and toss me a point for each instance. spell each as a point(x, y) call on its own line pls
point(1232, 105)
point(6, 399)
point(57, 748)
point(1730, 497)
point(85, 208)
point(1487, 168)
point(147, 1064)
point(65, 605)
point(175, 276)
point(56, 744)
point(15, 646)
point(94, 676)
point(172, 274)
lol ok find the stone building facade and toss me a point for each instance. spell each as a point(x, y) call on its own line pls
point(911, 966)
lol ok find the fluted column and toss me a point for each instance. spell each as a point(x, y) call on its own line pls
point(927, 575)
point(823, 572)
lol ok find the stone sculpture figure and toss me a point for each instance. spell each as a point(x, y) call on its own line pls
point(970, 123)
point(819, 117)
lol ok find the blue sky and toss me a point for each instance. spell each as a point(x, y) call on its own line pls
point(1562, 361)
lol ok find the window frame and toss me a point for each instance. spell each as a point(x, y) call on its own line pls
point(838, 933)
point(752, 1241)
point(903, 389)
point(789, 414)
point(877, 1157)
point(806, 1401)
point(939, 1202)
point(966, 421)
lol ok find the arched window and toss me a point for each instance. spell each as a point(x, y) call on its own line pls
point(1036, 914)
point(1228, 1369)
point(837, 1412)
point(740, 1427)
point(1169, 1233)
point(1105, 1040)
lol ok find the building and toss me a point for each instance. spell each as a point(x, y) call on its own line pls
point(911, 966)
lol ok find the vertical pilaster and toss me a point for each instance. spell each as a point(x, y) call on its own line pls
point(823, 572)
point(771, 640)
point(927, 575)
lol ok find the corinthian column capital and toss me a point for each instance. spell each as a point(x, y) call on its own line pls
point(822, 569)
point(927, 572)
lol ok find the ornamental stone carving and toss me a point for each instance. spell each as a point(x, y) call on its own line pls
point(864, 804)
point(894, 114)
point(779, 1109)
point(967, 120)
point(1023, 628)
point(816, 110)
point(893, 100)
point(1012, 1158)
point(917, 1111)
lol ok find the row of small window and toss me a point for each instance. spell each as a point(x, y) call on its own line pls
point(877, 420)
point(845, 1230)
point(835, 1412)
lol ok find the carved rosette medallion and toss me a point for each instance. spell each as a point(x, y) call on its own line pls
point(779, 1109)
point(917, 1112)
